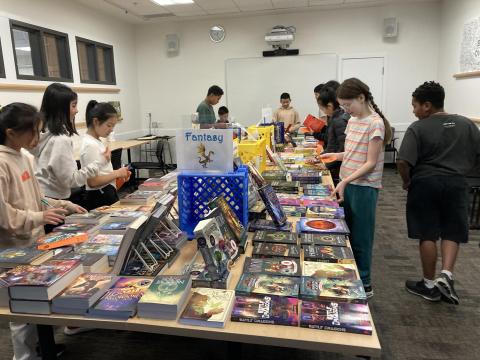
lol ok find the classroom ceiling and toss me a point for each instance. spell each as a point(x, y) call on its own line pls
point(139, 11)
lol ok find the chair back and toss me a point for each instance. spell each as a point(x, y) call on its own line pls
point(116, 159)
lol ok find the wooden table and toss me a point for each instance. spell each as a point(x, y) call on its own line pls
point(123, 144)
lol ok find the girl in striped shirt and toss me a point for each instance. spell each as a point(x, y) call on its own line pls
point(361, 171)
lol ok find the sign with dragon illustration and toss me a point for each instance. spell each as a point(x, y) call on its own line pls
point(205, 150)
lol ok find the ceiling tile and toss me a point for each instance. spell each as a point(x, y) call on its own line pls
point(186, 10)
point(254, 5)
point(283, 4)
point(325, 2)
point(140, 7)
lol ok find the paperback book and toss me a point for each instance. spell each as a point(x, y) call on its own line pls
point(332, 289)
point(93, 218)
point(336, 316)
point(57, 239)
point(105, 249)
point(329, 270)
point(262, 224)
point(292, 210)
point(326, 212)
point(271, 175)
point(153, 184)
point(271, 266)
point(76, 228)
point(272, 204)
point(274, 310)
point(333, 254)
point(140, 197)
point(268, 285)
point(94, 263)
point(272, 250)
point(12, 257)
point(288, 187)
point(208, 307)
point(115, 227)
point(325, 240)
point(323, 226)
point(279, 237)
point(125, 215)
point(106, 239)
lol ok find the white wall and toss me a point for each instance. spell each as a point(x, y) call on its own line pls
point(172, 86)
point(76, 20)
point(462, 96)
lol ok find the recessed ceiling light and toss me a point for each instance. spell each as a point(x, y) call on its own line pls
point(172, 2)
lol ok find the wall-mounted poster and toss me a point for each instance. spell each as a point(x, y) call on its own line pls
point(470, 51)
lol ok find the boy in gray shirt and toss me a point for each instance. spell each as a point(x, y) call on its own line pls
point(206, 114)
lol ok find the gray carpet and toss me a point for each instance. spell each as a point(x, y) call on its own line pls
point(409, 327)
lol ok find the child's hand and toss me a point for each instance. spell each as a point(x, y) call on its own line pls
point(78, 209)
point(340, 191)
point(107, 154)
point(329, 155)
point(122, 173)
point(54, 216)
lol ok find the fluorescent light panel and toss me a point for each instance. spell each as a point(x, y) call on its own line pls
point(172, 2)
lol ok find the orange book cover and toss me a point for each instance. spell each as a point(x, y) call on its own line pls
point(56, 240)
point(314, 123)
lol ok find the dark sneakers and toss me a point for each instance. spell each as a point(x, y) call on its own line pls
point(368, 291)
point(445, 286)
point(419, 288)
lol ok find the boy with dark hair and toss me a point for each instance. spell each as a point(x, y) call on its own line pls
point(223, 115)
point(436, 154)
point(206, 114)
point(287, 114)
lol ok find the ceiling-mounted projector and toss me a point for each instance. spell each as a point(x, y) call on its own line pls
point(280, 38)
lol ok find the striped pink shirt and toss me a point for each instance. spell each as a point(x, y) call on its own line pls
point(359, 133)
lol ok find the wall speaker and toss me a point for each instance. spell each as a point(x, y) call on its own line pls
point(390, 27)
point(173, 44)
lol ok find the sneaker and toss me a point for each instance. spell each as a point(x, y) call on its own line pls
point(445, 286)
point(70, 330)
point(59, 350)
point(419, 288)
point(368, 291)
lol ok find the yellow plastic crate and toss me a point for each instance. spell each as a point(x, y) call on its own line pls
point(255, 151)
point(264, 132)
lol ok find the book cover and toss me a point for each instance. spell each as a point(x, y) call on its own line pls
point(124, 215)
point(57, 239)
point(154, 184)
point(316, 201)
point(22, 256)
point(292, 187)
point(323, 226)
point(279, 237)
point(334, 316)
point(106, 239)
point(288, 201)
point(87, 260)
point(75, 228)
point(268, 285)
point(208, 307)
point(87, 285)
point(329, 270)
point(313, 123)
point(270, 266)
point(166, 290)
point(332, 289)
point(320, 239)
point(116, 226)
point(140, 197)
point(270, 175)
point(261, 250)
point(262, 224)
point(107, 249)
point(326, 212)
point(266, 309)
point(107, 209)
point(292, 210)
point(272, 204)
point(333, 254)
point(204, 150)
point(230, 218)
point(86, 218)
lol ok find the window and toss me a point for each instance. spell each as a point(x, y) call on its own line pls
point(95, 61)
point(40, 54)
point(2, 66)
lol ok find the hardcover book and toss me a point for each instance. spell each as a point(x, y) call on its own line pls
point(268, 285)
point(332, 289)
point(323, 226)
point(270, 266)
point(329, 270)
point(12, 257)
point(266, 309)
point(334, 316)
point(262, 224)
point(208, 307)
point(57, 239)
point(320, 239)
point(272, 204)
point(268, 250)
point(279, 237)
point(313, 123)
point(334, 254)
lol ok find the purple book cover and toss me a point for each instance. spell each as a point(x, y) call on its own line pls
point(274, 310)
point(124, 294)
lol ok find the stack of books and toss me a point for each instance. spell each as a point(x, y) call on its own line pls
point(12, 257)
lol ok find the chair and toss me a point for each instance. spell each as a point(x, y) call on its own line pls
point(158, 162)
point(390, 148)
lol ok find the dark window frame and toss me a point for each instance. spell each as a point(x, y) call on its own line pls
point(2, 64)
point(109, 62)
point(39, 59)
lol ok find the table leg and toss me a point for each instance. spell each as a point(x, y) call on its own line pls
point(129, 156)
point(47, 342)
point(234, 350)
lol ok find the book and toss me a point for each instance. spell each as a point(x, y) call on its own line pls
point(334, 254)
point(270, 175)
point(322, 226)
point(274, 310)
point(335, 316)
point(153, 184)
point(115, 227)
point(289, 187)
point(82, 293)
point(272, 204)
point(332, 289)
point(105, 249)
point(42, 282)
point(292, 210)
point(9, 258)
point(30, 307)
point(165, 297)
point(106, 239)
point(140, 197)
point(57, 239)
point(262, 224)
point(267, 284)
point(125, 215)
point(76, 228)
point(313, 123)
point(267, 250)
point(4, 297)
point(120, 301)
point(208, 307)
point(320, 239)
point(271, 266)
point(93, 218)
point(329, 270)
point(279, 237)
point(326, 212)
point(107, 209)
point(276, 159)
point(94, 263)
point(317, 201)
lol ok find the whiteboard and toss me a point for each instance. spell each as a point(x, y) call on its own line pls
point(253, 83)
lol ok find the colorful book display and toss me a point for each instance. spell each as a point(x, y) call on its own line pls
point(266, 309)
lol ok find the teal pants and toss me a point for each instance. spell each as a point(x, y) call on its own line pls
point(360, 203)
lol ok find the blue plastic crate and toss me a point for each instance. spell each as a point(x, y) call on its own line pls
point(196, 190)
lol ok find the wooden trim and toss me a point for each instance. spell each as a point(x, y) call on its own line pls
point(467, 74)
point(79, 89)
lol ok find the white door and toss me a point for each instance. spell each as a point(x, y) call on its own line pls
point(368, 69)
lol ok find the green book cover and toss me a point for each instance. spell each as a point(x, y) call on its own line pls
point(166, 289)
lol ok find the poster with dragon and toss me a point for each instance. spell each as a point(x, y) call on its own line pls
point(205, 150)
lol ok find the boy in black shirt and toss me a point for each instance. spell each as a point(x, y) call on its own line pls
point(436, 154)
